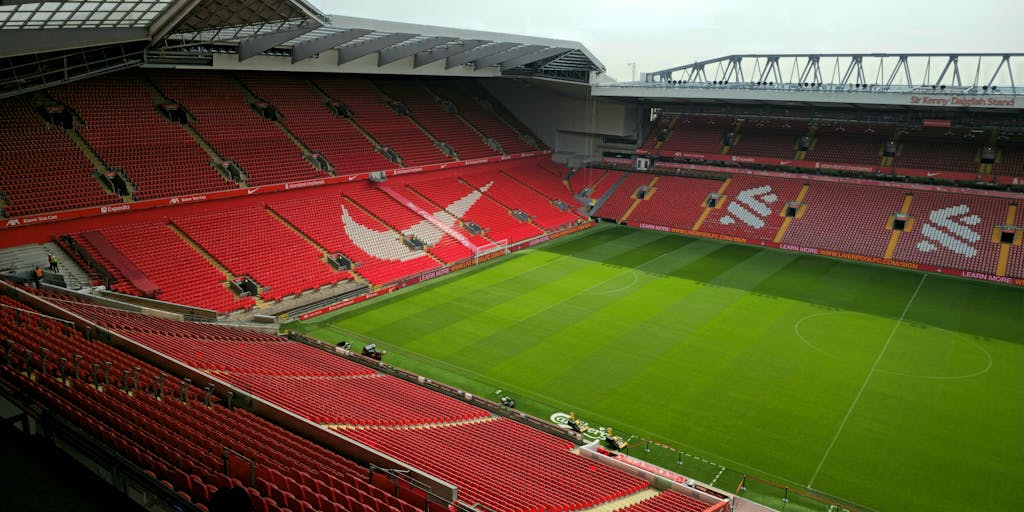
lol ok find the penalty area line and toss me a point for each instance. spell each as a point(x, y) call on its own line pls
point(864, 385)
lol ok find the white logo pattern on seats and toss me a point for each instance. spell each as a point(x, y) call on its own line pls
point(957, 235)
point(386, 246)
point(751, 207)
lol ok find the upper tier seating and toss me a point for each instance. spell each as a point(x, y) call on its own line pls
point(445, 127)
point(370, 110)
point(769, 138)
point(846, 218)
point(698, 135)
point(1010, 161)
point(249, 241)
point(487, 121)
point(937, 150)
point(124, 127)
point(661, 124)
point(667, 501)
point(182, 444)
point(953, 231)
point(307, 116)
point(675, 202)
point(496, 220)
point(753, 208)
point(341, 227)
point(616, 205)
point(181, 272)
point(234, 129)
point(851, 144)
point(504, 465)
point(41, 169)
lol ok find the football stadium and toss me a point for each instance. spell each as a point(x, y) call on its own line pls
point(257, 256)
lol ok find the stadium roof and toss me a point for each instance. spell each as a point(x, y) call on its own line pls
point(46, 43)
point(908, 80)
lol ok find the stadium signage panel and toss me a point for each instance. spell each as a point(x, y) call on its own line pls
point(265, 189)
point(964, 101)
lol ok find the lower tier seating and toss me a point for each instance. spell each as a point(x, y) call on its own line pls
point(675, 202)
point(504, 465)
point(368, 400)
point(846, 218)
point(338, 225)
point(181, 273)
point(667, 501)
point(623, 197)
point(249, 241)
point(753, 207)
point(180, 443)
point(953, 231)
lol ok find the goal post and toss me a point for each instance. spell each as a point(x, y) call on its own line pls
point(490, 250)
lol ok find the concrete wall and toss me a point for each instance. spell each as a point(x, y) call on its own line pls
point(565, 116)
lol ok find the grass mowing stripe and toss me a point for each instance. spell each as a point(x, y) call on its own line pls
point(867, 379)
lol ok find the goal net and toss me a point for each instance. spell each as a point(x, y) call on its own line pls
point(490, 250)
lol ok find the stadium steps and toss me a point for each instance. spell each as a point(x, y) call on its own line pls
point(607, 193)
point(636, 202)
point(458, 115)
point(158, 95)
point(355, 124)
point(631, 499)
point(439, 207)
point(251, 98)
point(894, 238)
point(789, 220)
point(707, 211)
point(527, 138)
point(1004, 249)
point(412, 119)
point(207, 256)
point(499, 203)
point(23, 258)
point(671, 126)
point(312, 242)
point(97, 162)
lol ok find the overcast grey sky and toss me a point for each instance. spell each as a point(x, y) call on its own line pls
point(661, 34)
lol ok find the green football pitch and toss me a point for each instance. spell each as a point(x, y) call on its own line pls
point(894, 389)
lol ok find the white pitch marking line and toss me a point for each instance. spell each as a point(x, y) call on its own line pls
point(867, 379)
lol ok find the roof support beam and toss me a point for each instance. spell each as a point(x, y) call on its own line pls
point(436, 54)
point(486, 62)
point(20, 42)
point(357, 50)
point(307, 49)
point(248, 48)
point(399, 52)
point(532, 57)
point(466, 57)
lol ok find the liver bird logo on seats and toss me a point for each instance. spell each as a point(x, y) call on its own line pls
point(751, 207)
point(955, 233)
